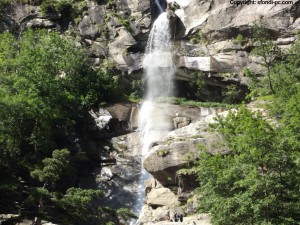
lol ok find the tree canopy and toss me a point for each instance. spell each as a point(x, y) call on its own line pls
point(46, 86)
point(259, 181)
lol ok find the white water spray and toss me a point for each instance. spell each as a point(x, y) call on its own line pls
point(159, 71)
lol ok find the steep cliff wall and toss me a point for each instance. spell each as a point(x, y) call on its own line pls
point(210, 36)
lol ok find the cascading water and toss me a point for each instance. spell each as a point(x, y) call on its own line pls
point(159, 6)
point(159, 71)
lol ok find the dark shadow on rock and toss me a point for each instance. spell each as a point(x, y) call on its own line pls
point(179, 29)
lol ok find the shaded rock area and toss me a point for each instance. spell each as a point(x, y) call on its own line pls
point(116, 171)
point(118, 158)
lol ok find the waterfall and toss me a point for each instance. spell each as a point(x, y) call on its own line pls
point(159, 71)
point(159, 6)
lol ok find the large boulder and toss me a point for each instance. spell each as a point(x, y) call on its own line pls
point(166, 158)
point(89, 26)
point(158, 197)
point(113, 120)
point(118, 51)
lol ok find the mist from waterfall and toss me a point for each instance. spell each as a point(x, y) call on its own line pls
point(159, 71)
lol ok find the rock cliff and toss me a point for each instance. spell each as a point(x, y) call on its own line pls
point(114, 36)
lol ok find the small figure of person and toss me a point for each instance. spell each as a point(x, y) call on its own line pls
point(169, 6)
point(170, 10)
point(181, 217)
point(168, 216)
point(175, 217)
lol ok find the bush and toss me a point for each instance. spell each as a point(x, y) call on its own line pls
point(239, 39)
point(74, 8)
point(231, 94)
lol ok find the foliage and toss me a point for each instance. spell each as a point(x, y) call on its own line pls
point(254, 82)
point(162, 152)
point(239, 39)
point(39, 99)
point(198, 81)
point(137, 89)
point(257, 183)
point(72, 7)
point(52, 168)
point(125, 214)
point(46, 87)
point(267, 50)
point(77, 204)
point(231, 94)
point(199, 38)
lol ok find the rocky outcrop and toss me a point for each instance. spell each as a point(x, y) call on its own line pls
point(161, 197)
point(215, 25)
point(166, 158)
point(118, 118)
point(222, 19)
point(118, 32)
point(106, 31)
point(91, 21)
point(114, 120)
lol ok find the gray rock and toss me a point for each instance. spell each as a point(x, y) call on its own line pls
point(138, 5)
point(92, 22)
point(102, 117)
point(181, 122)
point(166, 158)
point(117, 50)
point(40, 23)
point(220, 17)
point(161, 197)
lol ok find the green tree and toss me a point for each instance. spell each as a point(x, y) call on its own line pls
point(77, 207)
point(257, 183)
point(231, 94)
point(266, 49)
point(49, 173)
point(46, 86)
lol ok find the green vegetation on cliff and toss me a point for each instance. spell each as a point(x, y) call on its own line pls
point(259, 181)
point(46, 87)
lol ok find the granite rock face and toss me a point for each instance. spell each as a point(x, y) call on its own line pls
point(118, 33)
point(220, 22)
